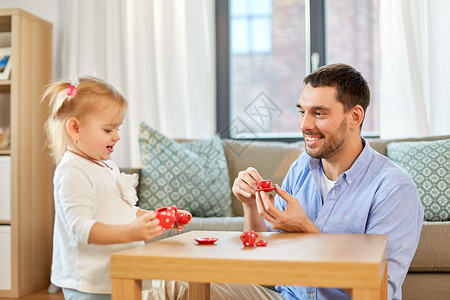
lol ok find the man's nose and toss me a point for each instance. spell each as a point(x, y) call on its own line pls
point(306, 122)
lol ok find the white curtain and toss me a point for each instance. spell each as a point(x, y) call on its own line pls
point(414, 41)
point(160, 54)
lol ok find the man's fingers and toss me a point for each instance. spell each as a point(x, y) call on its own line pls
point(262, 210)
point(254, 174)
point(284, 194)
point(244, 183)
point(247, 192)
point(248, 177)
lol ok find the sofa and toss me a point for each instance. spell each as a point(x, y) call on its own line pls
point(429, 273)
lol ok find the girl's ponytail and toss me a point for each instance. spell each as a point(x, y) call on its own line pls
point(56, 95)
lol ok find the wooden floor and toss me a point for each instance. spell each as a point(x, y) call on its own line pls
point(41, 295)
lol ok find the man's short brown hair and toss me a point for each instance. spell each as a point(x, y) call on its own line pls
point(352, 88)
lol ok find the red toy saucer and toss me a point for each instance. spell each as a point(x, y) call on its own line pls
point(266, 189)
point(261, 243)
point(206, 241)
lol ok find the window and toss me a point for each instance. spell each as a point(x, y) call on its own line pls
point(251, 26)
point(266, 47)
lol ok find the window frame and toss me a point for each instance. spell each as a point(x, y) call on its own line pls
point(316, 35)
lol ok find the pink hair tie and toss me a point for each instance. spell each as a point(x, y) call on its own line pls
point(71, 90)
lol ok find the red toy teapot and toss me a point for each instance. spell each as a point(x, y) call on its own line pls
point(166, 216)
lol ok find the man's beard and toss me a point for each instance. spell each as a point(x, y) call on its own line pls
point(331, 146)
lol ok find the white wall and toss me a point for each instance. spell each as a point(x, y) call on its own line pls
point(48, 10)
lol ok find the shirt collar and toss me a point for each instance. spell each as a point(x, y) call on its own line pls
point(360, 164)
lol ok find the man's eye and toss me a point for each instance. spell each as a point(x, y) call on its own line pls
point(319, 114)
point(301, 112)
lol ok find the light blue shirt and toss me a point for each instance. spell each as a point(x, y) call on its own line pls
point(374, 196)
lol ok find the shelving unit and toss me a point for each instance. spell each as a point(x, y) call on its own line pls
point(28, 233)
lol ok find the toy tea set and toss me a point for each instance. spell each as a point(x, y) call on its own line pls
point(169, 215)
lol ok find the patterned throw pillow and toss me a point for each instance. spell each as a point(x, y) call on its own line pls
point(193, 176)
point(428, 163)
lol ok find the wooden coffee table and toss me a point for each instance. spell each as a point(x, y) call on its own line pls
point(352, 261)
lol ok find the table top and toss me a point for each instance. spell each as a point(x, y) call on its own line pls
point(353, 260)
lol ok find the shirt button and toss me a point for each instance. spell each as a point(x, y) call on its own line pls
point(311, 295)
point(349, 181)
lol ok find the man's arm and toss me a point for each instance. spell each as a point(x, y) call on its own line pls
point(244, 188)
point(398, 214)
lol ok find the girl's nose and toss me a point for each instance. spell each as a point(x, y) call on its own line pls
point(116, 136)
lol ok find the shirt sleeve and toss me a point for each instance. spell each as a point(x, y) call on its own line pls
point(75, 193)
point(399, 214)
point(134, 209)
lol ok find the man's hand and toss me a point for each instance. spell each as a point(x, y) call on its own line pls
point(293, 219)
point(245, 186)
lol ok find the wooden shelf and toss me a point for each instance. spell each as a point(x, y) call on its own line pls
point(5, 151)
point(5, 86)
point(32, 211)
point(5, 22)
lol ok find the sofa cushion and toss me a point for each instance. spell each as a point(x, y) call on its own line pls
point(432, 254)
point(428, 163)
point(193, 176)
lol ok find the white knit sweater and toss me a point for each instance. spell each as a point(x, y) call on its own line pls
point(86, 193)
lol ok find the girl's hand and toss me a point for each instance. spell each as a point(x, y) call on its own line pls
point(179, 226)
point(145, 227)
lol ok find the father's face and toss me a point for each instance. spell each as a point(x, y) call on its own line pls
point(322, 121)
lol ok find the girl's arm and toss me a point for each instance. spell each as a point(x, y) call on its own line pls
point(144, 228)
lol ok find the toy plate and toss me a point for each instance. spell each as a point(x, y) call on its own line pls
point(261, 243)
point(206, 241)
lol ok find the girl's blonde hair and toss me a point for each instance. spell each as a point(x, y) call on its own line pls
point(91, 94)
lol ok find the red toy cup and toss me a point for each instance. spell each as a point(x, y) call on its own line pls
point(264, 184)
point(248, 238)
point(166, 216)
point(183, 217)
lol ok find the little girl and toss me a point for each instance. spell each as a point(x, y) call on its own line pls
point(94, 203)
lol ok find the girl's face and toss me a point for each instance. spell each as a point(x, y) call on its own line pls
point(99, 132)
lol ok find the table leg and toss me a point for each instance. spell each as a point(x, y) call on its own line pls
point(369, 294)
point(366, 294)
point(384, 283)
point(126, 289)
point(199, 290)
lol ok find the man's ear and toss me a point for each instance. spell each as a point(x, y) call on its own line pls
point(356, 116)
point(73, 128)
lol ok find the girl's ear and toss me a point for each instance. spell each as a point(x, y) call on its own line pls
point(73, 128)
point(356, 116)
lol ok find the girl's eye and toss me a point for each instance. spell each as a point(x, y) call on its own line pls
point(108, 130)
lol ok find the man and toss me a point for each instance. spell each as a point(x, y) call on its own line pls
point(340, 184)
